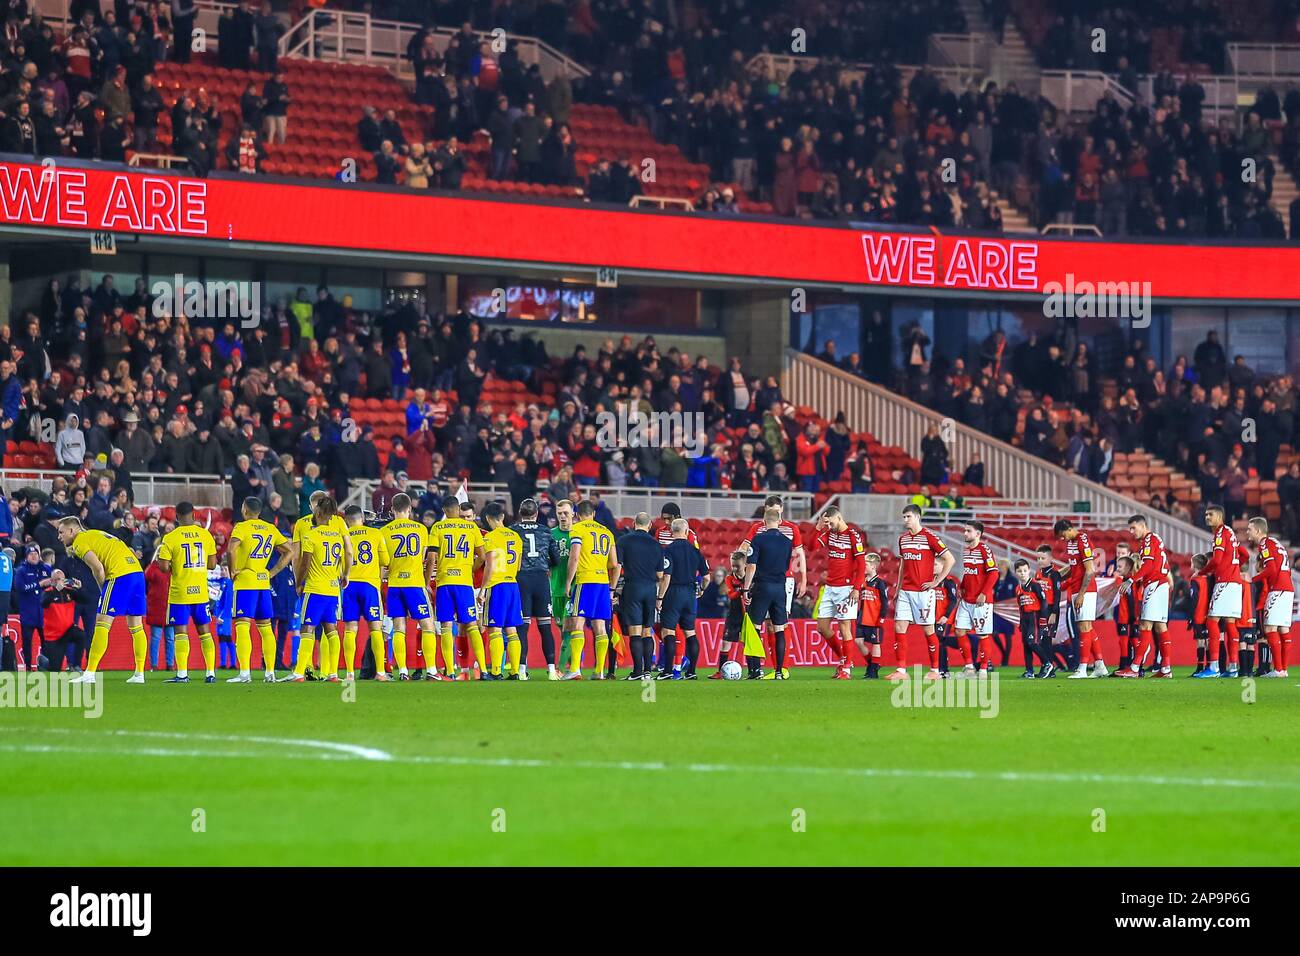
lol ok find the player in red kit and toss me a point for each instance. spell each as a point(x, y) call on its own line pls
point(924, 561)
point(1198, 599)
point(1150, 582)
point(1278, 597)
point(979, 575)
point(1224, 567)
point(846, 568)
point(1080, 591)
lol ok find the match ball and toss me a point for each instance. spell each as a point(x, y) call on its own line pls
point(731, 671)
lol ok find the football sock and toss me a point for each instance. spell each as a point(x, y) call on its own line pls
point(377, 650)
point(1166, 650)
point(140, 644)
point(514, 652)
point(448, 651)
point(1201, 654)
point(1275, 650)
point(1234, 642)
point(243, 645)
point(209, 647)
point(548, 641)
point(1215, 637)
point(476, 642)
point(692, 652)
point(563, 653)
point(900, 650)
point(521, 635)
point(182, 650)
point(963, 647)
point(349, 651)
point(428, 649)
point(932, 645)
point(496, 650)
point(602, 653)
point(268, 645)
point(576, 641)
point(1027, 648)
point(670, 648)
point(1247, 658)
point(780, 650)
point(305, 646)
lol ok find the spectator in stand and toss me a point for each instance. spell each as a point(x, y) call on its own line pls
point(813, 451)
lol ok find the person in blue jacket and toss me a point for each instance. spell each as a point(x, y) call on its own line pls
point(27, 586)
point(284, 610)
point(6, 592)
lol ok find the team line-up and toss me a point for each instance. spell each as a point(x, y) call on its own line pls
point(579, 575)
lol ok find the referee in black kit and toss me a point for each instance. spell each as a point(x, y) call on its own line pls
point(642, 559)
point(679, 589)
point(769, 560)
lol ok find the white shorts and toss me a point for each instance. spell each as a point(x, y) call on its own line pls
point(1086, 614)
point(837, 602)
point(1225, 600)
point(974, 618)
point(1155, 603)
point(789, 594)
point(915, 607)
point(1277, 609)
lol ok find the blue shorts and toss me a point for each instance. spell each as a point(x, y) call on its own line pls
point(535, 594)
point(123, 596)
point(319, 609)
point(678, 608)
point(636, 606)
point(767, 603)
point(456, 604)
point(590, 602)
point(179, 615)
point(408, 601)
point(361, 602)
point(253, 604)
point(503, 609)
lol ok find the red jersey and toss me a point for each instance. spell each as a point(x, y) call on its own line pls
point(1274, 566)
point(916, 554)
point(735, 587)
point(1199, 586)
point(1078, 550)
point(663, 533)
point(846, 556)
point(1153, 562)
point(979, 573)
point(1030, 597)
point(874, 603)
point(787, 528)
point(1225, 561)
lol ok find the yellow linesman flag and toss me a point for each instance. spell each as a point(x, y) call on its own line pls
point(753, 643)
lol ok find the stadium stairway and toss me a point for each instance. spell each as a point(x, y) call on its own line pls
point(1284, 190)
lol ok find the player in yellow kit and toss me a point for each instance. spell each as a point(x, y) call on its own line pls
point(253, 542)
point(321, 570)
point(592, 576)
point(121, 580)
point(502, 551)
point(329, 650)
point(188, 553)
point(361, 596)
point(408, 592)
point(457, 548)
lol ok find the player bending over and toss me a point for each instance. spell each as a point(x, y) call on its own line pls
point(253, 542)
point(120, 578)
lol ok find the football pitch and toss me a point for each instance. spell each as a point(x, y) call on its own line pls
point(807, 772)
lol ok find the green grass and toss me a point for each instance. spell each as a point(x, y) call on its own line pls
point(708, 773)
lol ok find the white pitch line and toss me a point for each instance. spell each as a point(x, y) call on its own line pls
point(331, 750)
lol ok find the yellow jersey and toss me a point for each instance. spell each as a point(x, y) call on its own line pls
point(188, 548)
point(113, 553)
point(323, 546)
point(369, 554)
point(408, 542)
point(457, 541)
point(508, 546)
point(252, 546)
point(595, 543)
point(302, 524)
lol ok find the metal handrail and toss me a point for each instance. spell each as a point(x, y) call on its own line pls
point(149, 488)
